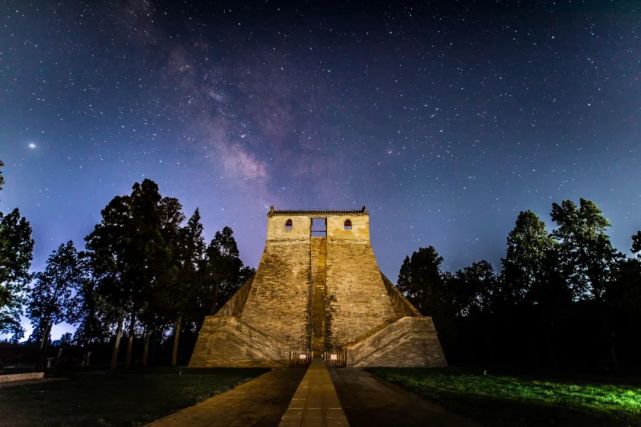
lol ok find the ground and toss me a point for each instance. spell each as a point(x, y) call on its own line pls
point(508, 400)
point(114, 398)
point(450, 397)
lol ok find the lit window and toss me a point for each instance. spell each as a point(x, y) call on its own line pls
point(288, 225)
point(348, 224)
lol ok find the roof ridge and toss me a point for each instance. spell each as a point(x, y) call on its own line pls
point(274, 211)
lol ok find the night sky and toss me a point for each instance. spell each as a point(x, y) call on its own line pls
point(444, 119)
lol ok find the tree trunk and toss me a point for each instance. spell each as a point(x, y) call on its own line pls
point(174, 352)
point(145, 349)
point(130, 341)
point(43, 347)
point(45, 337)
point(116, 347)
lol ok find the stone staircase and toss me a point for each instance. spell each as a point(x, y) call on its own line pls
point(318, 314)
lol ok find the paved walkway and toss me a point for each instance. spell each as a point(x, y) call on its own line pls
point(315, 403)
point(259, 402)
point(317, 397)
point(371, 401)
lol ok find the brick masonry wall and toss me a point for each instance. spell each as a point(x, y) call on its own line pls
point(357, 298)
point(226, 341)
point(408, 342)
point(278, 303)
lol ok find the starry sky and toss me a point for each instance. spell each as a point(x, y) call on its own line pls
point(445, 118)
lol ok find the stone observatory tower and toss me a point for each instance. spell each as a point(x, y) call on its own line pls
point(318, 290)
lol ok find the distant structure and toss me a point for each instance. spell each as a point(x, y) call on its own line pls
point(318, 291)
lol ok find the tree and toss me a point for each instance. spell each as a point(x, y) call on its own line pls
point(107, 253)
point(180, 298)
point(223, 272)
point(528, 246)
point(471, 289)
point(585, 250)
point(421, 281)
point(92, 313)
point(16, 249)
point(51, 299)
point(588, 260)
point(132, 253)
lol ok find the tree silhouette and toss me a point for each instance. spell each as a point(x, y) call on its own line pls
point(223, 272)
point(16, 249)
point(421, 281)
point(182, 296)
point(585, 250)
point(528, 246)
point(52, 297)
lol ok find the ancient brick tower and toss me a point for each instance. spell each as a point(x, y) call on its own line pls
point(318, 291)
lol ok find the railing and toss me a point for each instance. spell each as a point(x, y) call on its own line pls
point(299, 358)
point(336, 358)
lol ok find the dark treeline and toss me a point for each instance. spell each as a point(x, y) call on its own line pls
point(144, 281)
point(563, 300)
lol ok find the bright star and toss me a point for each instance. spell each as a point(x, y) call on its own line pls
point(32, 146)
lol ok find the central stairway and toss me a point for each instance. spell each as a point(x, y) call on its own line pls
point(318, 269)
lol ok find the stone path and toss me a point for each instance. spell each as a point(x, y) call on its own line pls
point(315, 403)
point(316, 397)
point(371, 401)
point(259, 402)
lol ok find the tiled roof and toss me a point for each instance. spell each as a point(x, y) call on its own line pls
point(320, 213)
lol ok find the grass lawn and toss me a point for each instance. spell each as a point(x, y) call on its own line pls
point(513, 400)
point(121, 398)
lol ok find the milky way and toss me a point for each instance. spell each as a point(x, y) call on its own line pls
point(444, 120)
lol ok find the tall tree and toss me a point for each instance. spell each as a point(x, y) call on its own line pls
point(528, 246)
point(181, 297)
point(92, 313)
point(107, 248)
point(16, 249)
point(588, 260)
point(52, 297)
point(132, 252)
point(585, 250)
point(163, 274)
point(421, 281)
point(223, 272)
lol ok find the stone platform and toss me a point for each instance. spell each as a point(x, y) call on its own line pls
point(314, 292)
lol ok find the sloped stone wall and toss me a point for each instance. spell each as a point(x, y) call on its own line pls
point(226, 341)
point(408, 342)
point(278, 303)
point(357, 297)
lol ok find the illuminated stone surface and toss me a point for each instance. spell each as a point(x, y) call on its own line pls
point(314, 292)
